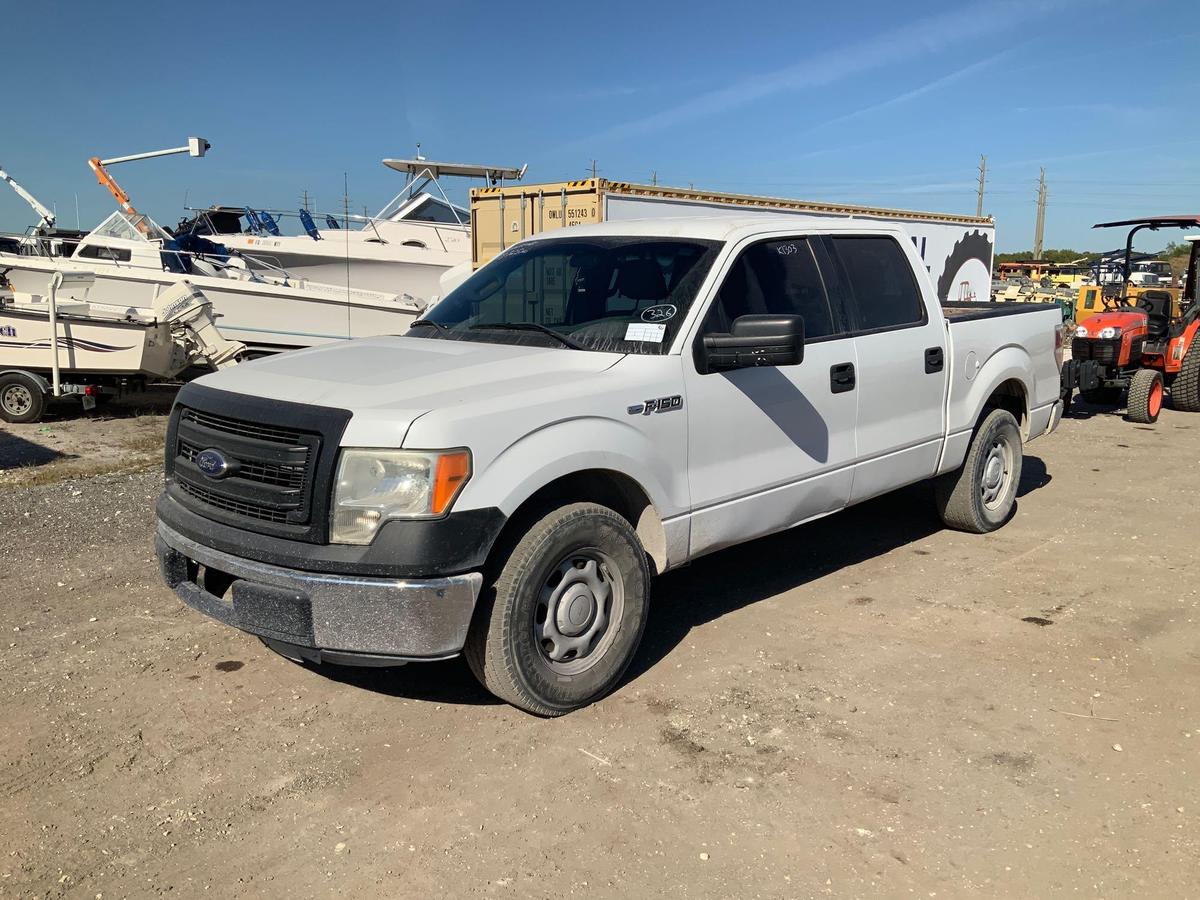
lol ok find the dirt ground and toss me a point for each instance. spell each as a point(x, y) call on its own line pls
point(866, 706)
point(125, 435)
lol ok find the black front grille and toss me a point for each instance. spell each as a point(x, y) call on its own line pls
point(1104, 352)
point(249, 510)
point(279, 472)
point(238, 427)
point(283, 475)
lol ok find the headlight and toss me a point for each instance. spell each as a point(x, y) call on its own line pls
point(1081, 331)
point(1107, 334)
point(376, 485)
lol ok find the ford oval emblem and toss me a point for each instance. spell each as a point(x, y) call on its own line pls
point(212, 463)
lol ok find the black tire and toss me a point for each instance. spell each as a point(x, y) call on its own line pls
point(22, 399)
point(538, 586)
point(1185, 389)
point(1104, 396)
point(1145, 396)
point(972, 498)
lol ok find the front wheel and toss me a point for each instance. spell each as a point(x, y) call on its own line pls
point(1145, 396)
point(565, 613)
point(979, 497)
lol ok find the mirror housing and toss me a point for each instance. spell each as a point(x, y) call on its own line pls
point(758, 340)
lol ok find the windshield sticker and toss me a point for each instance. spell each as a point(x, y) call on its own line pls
point(645, 331)
point(663, 312)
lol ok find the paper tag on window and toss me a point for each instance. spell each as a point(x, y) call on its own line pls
point(645, 331)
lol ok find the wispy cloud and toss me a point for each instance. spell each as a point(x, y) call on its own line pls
point(927, 88)
point(923, 37)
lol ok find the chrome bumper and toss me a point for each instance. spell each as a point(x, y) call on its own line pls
point(344, 614)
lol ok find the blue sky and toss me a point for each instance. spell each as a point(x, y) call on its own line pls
point(875, 102)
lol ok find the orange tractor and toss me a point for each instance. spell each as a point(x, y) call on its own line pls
point(1145, 345)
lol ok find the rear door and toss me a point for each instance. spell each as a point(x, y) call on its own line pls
point(900, 348)
point(769, 447)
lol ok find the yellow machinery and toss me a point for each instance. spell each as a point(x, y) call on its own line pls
point(1097, 298)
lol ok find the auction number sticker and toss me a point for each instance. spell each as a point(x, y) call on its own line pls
point(645, 331)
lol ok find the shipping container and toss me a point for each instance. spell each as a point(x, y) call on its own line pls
point(957, 249)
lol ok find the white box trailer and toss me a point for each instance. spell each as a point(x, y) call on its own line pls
point(957, 250)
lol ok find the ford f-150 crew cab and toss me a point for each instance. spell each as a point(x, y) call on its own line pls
point(591, 408)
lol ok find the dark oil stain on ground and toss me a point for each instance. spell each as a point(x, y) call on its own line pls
point(1037, 620)
point(229, 665)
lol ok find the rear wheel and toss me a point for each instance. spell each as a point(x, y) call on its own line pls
point(1145, 396)
point(21, 398)
point(1185, 390)
point(566, 612)
point(979, 497)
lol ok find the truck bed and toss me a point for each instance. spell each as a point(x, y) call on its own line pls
point(967, 312)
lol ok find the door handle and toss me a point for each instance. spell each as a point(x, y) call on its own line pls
point(841, 378)
point(935, 359)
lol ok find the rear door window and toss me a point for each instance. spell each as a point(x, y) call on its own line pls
point(883, 291)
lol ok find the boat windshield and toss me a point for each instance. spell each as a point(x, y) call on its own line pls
point(130, 228)
point(423, 208)
point(613, 294)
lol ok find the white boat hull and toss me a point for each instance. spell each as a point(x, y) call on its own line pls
point(257, 313)
point(393, 257)
point(387, 276)
point(113, 348)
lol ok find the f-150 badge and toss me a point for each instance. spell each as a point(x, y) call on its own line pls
point(657, 405)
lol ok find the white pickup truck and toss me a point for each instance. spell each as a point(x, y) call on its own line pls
point(592, 408)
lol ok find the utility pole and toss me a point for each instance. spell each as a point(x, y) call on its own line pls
point(593, 168)
point(982, 179)
point(1040, 228)
point(654, 177)
point(304, 201)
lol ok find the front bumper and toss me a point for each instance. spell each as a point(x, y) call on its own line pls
point(340, 617)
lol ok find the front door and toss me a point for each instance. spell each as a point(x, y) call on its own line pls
point(770, 447)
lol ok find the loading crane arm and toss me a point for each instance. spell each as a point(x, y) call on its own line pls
point(47, 217)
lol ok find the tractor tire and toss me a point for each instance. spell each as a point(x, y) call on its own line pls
point(981, 495)
point(560, 623)
point(1185, 390)
point(22, 399)
point(1105, 396)
point(1145, 396)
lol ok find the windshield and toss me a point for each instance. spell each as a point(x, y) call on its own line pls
point(130, 228)
point(617, 294)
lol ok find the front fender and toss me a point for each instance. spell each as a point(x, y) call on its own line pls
point(568, 446)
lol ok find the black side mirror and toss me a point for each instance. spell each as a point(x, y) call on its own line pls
point(760, 340)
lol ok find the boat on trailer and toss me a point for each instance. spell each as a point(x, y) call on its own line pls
point(134, 260)
point(52, 347)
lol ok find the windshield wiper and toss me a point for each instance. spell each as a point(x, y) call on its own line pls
point(530, 326)
point(438, 325)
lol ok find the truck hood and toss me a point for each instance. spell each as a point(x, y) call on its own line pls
point(391, 381)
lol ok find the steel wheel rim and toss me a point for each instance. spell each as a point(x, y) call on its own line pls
point(16, 399)
point(997, 473)
point(578, 611)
